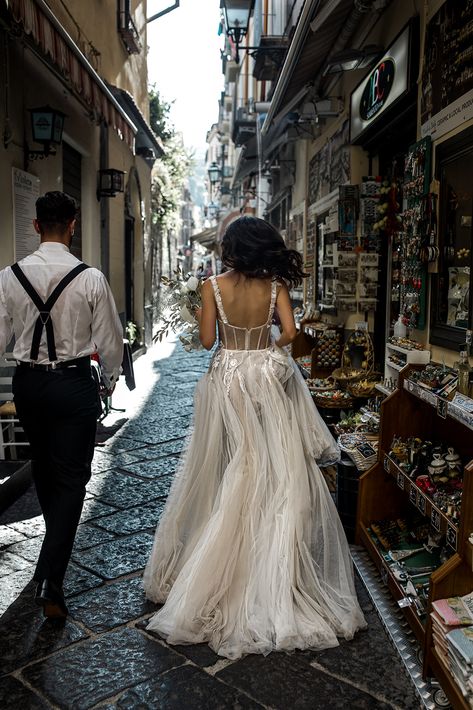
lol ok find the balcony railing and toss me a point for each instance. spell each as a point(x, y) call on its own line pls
point(128, 32)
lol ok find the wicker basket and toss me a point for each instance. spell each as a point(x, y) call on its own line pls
point(341, 402)
point(344, 376)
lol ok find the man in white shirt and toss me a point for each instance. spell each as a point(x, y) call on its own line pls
point(60, 312)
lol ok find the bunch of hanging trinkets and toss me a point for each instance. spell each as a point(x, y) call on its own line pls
point(418, 226)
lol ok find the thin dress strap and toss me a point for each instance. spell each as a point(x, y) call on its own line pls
point(218, 300)
point(274, 293)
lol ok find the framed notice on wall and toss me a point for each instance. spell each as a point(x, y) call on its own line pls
point(25, 193)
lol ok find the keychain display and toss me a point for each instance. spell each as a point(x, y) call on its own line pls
point(415, 244)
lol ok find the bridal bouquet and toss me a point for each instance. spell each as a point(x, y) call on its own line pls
point(177, 314)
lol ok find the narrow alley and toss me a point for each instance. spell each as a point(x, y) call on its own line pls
point(102, 655)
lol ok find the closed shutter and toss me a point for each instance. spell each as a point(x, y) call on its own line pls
point(71, 185)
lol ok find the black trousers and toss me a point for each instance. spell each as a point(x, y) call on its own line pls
point(58, 411)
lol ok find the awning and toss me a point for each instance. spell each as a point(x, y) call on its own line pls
point(37, 20)
point(208, 238)
point(147, 143)
point(316, 33)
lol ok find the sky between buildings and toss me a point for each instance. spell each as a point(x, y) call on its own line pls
point(184, 63)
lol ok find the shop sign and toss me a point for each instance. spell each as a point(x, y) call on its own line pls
point(377, 89)
point(385, 84)
point(451, 117)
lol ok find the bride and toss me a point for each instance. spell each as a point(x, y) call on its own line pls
point(250, 555)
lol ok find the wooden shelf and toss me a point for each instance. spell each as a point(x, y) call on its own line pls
point(447, 681)
point(386, 492)
point(441, 405)
point(422, 502)
point(391, 582)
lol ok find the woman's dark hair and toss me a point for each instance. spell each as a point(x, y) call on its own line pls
point(55, 210)
point(255, 248)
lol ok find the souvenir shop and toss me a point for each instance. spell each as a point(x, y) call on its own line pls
point(385, 341)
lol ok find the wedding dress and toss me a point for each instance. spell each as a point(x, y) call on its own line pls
point(250, 555)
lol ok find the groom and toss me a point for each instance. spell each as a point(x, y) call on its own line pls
point(60, 312)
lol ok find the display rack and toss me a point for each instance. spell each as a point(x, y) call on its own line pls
point(398, 357)
point(386, 492)
point(323, 343)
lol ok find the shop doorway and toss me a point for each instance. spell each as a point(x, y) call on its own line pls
point(129, 268)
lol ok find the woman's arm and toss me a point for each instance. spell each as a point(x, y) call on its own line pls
point(286, 317)
point(207, 316)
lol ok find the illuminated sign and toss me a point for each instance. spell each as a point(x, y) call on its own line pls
point(384, 85)
point(377, 89)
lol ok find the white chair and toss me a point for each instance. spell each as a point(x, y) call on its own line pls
point(11, 433)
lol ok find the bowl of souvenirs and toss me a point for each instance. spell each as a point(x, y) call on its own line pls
point(320, 384)
point(333, 398)
point(364, 387)
point(345, 376)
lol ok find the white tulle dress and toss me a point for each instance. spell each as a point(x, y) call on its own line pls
point(250, 555)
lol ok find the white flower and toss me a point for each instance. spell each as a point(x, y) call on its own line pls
point(186, 315)
point(192, 283)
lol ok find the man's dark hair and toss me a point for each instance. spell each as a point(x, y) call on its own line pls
point(54, 211)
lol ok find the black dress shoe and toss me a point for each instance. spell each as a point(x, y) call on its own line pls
point(51, 598)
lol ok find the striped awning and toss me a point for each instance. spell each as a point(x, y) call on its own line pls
point(37, 21)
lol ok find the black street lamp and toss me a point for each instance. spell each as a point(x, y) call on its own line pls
point(214, 173)
point(110, 181)
point(237, 18)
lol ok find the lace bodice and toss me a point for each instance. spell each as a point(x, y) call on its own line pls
point(233, 337)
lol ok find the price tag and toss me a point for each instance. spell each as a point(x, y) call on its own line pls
point(421, 503)
point(410, 386)
point(435, 519)
point(442, 408)
point(413, 495)
point(400, 480)
point(386, 463)
point(451, 537)
point(330, 334)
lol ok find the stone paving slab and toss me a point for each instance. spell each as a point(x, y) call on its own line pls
point(183, 688)
point(142, 518)
point(95, 509)
point(118, 489)
point(31, 527)
point(9, 536)
point(154, 467)
point(11, 563)
point(80, 580)
point(284, 681)
point(100, 668)
point(14, 695)
point(112, 605)
point(349, 661)
point(158, 451)
point(28, 636)
point(118, 557)
point(88, 535)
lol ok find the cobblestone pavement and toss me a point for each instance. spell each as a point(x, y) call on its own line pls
point(102, 655)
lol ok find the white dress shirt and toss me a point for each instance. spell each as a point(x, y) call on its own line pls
point(85, 318)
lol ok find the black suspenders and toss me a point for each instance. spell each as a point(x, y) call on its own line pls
point(44, 308)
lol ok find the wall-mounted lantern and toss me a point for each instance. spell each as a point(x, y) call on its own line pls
point(47, 124)
point(110, 181)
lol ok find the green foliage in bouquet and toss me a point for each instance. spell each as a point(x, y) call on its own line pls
point(177, 315)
